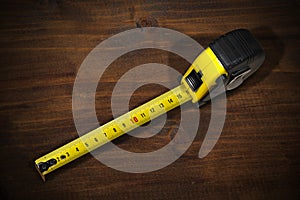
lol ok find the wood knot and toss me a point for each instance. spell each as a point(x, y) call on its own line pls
point(146, 22)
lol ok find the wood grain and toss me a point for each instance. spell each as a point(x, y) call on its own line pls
point(42, 45)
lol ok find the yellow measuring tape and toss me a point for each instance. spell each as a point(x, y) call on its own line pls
point(112, 129)
point(195, 84)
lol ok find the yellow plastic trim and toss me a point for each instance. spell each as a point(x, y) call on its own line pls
point(210, 67)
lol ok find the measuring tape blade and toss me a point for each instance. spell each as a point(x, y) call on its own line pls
point(112, 130)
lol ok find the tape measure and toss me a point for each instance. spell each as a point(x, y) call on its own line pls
point(228, 60)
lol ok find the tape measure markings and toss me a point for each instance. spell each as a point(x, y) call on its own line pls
point(112, 129)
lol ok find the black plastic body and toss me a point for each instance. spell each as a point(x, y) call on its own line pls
point(238, 51)
point(240, 54)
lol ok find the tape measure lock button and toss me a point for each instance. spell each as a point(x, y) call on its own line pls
point(194, 80)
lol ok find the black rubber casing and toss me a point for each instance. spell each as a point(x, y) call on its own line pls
point(240, 54)
point(238, 51)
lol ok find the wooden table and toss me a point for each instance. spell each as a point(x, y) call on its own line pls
point(43, 44)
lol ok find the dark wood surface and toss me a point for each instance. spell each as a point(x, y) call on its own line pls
point(43, 44)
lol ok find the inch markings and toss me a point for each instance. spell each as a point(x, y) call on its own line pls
point(112, 130)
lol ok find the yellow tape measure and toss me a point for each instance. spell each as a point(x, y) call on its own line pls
point(229, 59)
